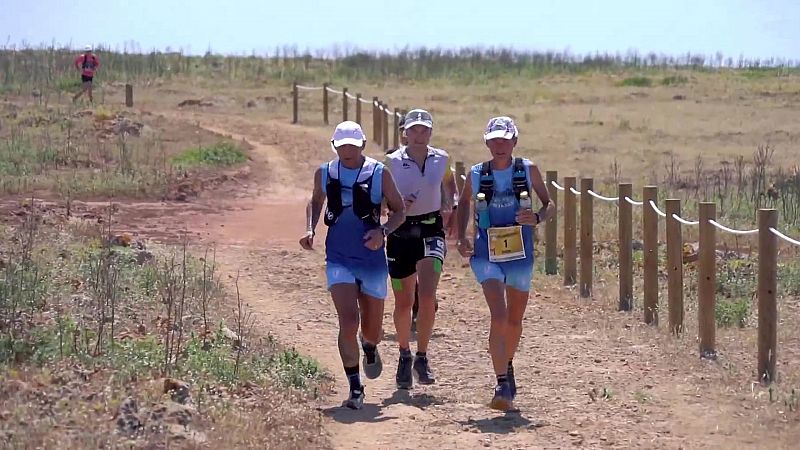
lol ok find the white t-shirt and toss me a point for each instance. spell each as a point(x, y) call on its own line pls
point(424, 182)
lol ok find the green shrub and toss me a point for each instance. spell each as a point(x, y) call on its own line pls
point(637, 81)
point(219, 154)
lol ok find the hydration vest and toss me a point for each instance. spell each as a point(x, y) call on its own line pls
point(89, 62)
point(363, 207)
point(519, 179)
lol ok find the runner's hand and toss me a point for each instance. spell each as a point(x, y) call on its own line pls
point(526, 217)
point(465, 248)
point(373, 239)
point(307, 241)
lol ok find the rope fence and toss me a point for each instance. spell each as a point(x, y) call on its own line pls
point(385, 120)
point(768, 236)
point(577, 246)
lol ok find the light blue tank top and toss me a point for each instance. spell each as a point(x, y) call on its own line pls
point(502, 209)
point(345, 241)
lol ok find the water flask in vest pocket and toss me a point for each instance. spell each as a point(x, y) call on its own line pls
point(482, 210)
point(525, 201)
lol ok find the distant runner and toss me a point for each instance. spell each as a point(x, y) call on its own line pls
point(87, 64)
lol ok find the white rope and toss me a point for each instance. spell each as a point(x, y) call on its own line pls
point(399, 116)
point(658, 211)
point(362, 100)
point(349, 95)
point(555, 185)
point(633, 202)
point(598, 196)
point(310, 88)
point(334, 91)
point(731, 230)
point(784, 237)
point(572, 189)
point(684, 221)
point(389, 112)
point(464, 177)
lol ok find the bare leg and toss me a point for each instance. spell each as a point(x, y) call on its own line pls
point(403, 302)
point(498, 348)
point(371, 318)
point(345, 298)
point(517, 302)
point(428, 282)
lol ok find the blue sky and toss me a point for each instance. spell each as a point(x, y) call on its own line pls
point(753, 28)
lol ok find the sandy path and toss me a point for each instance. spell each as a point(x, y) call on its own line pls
point(657, 395)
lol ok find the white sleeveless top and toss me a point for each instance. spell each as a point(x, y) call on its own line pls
point(423, 182)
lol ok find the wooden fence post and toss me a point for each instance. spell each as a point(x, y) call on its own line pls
point(376, 130)
point(396, 140)
point(358, 110)
point(650, 257)
point(674, 267)
point(325, 103)
point(295, 102)
point(570, 232)
point(707, 281)
point(625, 190)
point(345, 104)
point(129, 95)
point(385, 121)
point(767, 287)
point(551, 228)
point(587, 237)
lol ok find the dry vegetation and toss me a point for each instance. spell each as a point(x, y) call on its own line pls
point(89, 321)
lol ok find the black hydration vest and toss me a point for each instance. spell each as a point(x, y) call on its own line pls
point(363, 207)
point(519, 179)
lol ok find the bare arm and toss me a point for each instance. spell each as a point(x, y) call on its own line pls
point(313, 211)
point(449, 187)
point(464, 209)
point(394, 201)
point(541, 191)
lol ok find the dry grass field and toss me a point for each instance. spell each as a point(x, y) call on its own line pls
point(98, 304)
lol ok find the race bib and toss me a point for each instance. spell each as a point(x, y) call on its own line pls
point(506, 244)
point(435, 247)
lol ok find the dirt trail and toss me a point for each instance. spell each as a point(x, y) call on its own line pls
point(588, 377)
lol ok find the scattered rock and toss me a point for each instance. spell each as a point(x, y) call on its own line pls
point(126, 126)
point(171, 413)
point(121, 240)
point(691, 252)
point(251, 104)
point(178, 390)
point(231, 336)
point(679, 97)
point(143, 257)
point(128, 421)
point(195, 102)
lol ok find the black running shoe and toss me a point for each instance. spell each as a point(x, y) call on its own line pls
point(373, 366)
point(502, 399)
point(512, 382)
point(356, 398)
point(404, 377)
point(423, 370)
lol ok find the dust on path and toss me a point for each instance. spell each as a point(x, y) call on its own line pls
point(589, 377)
